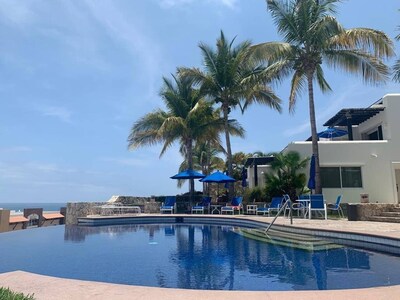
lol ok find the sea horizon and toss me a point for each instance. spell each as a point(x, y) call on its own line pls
point(20, 206)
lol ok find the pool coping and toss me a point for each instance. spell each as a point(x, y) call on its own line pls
point(47, 287)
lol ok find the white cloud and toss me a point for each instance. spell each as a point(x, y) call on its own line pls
point(16, 12)
point(126, 29)
point(15, 149)
point(58, 112)
point(131, 162)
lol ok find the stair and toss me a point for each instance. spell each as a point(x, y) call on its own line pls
point(298, 241)
point(390, 216)
point(384, 219)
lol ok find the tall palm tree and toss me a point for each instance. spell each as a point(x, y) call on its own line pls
point(188, 118)
point(232, 78)
point(313, 36)
point(396, 68)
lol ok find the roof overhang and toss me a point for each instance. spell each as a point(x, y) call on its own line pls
point(353, 116)
point(257, 161)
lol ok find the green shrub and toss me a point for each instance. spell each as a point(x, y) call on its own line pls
point(7, 294)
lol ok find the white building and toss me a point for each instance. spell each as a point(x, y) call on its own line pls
point(367, 160)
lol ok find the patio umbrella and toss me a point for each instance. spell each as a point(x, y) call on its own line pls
point(218, 177)
point(331, 132)
point(188, 174)
point(311, 180)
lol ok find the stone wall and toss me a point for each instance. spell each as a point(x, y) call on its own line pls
point(146, 204)
point(83, 209)
point(80, 210)
point(363, 211)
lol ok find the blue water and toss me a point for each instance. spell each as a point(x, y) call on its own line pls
point(21, 206)
point(188, 256)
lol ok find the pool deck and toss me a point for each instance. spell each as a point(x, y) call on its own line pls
point(46, 288)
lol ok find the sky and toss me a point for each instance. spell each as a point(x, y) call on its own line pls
point(75, 75)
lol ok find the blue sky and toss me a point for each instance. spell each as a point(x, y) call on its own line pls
point(75, 75)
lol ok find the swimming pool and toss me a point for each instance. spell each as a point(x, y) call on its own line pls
point(190, 256)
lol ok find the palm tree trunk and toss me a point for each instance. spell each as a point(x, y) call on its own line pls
point(189, 151)
point(314, 137)
point(225, 109)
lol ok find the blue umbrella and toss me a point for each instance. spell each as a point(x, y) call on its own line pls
point(311, 180)
point(188, 174)
point(331, 132)
point(218, 177)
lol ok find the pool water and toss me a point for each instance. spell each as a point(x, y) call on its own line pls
point(191, 257)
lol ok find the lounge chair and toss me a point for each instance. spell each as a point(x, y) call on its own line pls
point(275, 205)
point(317, 203)
point(235, 205)
point(169, 205)
point(202, 206)
point(336, 206)
point(262, 210)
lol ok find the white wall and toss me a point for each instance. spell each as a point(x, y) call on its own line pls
point(376, 171)
point(377, 159)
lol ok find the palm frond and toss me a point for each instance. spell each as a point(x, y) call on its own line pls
point(323, 84)
point(396, 71)
point(364, 39)
point(371, 69)
point(282, 13)
point(298, 85)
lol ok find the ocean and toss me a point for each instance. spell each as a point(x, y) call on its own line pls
point(21, 206)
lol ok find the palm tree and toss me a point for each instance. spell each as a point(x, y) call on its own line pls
point(312, 36)
point(206, 159)
point(286, 177)
point(396, 67)
point(232, 78)
point(188, 118)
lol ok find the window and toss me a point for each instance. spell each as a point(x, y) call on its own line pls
point(351, 177)
point(330, 177)
point(341, 177)
point(374, 135)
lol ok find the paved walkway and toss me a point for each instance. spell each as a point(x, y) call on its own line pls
point(49, 288)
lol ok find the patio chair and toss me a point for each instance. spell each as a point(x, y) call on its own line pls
point(203, 205)
point(262, 210)
point(235, 205)
point(317, 203)
point(301, 205)
point(336, 206)
point(275, 205)
point(169, 205)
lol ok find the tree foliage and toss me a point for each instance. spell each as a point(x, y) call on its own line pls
point(232, 78)
point(313, 37)
point(286, 177)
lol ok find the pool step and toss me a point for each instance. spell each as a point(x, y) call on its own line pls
point(305, 242)
point(392, 215)
point(388, 219)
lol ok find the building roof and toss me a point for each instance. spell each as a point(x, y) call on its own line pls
point(355, 116)
point(264, 160)
point(53, 216)
point(17, 219)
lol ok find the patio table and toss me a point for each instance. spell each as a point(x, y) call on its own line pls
point(216, 208)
